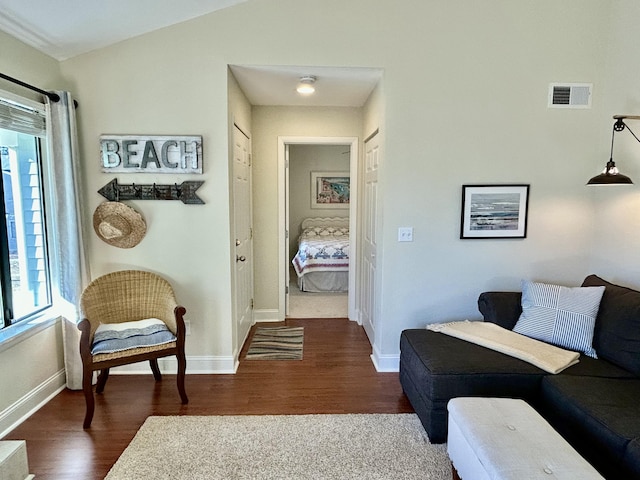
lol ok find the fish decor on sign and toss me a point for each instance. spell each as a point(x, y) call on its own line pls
point(185, 192)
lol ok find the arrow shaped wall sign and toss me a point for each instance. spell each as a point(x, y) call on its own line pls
point(186, 192)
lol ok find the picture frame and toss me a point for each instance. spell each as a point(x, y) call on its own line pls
point(330, 190)
point(494, 211)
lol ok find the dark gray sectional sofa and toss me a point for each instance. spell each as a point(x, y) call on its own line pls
point(594, 404)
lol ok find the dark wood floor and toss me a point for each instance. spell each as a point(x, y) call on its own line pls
point(335, 376)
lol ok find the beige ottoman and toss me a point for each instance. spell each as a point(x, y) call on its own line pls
point(13, 460)
point(503, 438)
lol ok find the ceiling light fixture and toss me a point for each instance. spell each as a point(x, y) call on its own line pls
point(305, 87)
point(610, 175)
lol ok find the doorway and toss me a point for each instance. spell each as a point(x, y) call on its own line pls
point(290, 227)
point(318, 232)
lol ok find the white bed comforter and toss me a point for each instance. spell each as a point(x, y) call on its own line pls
point(322, 249)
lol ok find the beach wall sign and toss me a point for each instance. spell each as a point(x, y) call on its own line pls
point(150, 154)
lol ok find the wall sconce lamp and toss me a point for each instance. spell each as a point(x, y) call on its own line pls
point(305, 87)
point(610, 175)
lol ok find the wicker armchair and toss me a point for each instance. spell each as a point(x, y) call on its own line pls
point(128, 296)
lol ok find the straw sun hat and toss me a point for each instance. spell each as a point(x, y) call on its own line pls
point(118, 224)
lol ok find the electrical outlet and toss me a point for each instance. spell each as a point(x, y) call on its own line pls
point(187, 327)
point(405, 234)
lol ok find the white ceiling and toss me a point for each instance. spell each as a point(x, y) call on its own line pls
point(65, 28)
point(335, 86)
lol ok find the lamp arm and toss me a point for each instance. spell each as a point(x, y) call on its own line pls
point(631, 132)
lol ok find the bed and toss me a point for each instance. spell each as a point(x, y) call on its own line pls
point(322, 260)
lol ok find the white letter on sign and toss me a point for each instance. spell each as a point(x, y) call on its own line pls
point(165, 153)
point(186, 154)
point(149, 155)
point(128, 153)
point(110, 156)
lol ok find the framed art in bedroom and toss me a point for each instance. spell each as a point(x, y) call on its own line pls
point(330, 189)
point(494, 211)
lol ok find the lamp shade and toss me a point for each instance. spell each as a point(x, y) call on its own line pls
point(608, 179)
point(610, 176)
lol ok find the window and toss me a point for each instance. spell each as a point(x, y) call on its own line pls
point(24, 264)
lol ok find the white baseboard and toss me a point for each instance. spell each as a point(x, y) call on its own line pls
point(385, 363)
point(267, 315)
point(195, 365)
point(19, 411)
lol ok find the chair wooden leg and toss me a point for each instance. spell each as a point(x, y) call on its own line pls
point(155, 369)
point(182, 369)
point(87, 388)
point(102, 380)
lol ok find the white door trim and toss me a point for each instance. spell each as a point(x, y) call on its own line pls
point(353, 215)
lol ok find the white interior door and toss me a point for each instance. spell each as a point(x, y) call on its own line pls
point(368, 304)
point(243, 235)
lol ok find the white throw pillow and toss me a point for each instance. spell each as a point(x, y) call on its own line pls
point(562, 316)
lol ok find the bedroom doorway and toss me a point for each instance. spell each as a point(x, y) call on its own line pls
point(303, 161)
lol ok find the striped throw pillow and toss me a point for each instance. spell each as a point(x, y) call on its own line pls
point(562, 316)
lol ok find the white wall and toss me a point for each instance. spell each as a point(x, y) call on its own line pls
point(32, 367)
point(465, 101)
point(156, 84)
point(616, 249)
point(303, 160)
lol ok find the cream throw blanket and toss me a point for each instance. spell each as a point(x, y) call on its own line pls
point(543, 355)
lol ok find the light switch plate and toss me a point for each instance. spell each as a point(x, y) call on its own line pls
point(405, 234)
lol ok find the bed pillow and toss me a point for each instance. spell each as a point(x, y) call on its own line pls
point(562, 316)
point(325, 231)
point(118, 337)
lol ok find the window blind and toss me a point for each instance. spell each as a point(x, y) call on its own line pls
point(22, 119)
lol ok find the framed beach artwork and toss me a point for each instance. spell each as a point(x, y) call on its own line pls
point(330, 189)
point(494, 211)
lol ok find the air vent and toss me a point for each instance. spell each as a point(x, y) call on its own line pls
point(570, 95)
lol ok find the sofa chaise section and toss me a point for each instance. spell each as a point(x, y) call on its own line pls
point(593, 404)
point(435, 368)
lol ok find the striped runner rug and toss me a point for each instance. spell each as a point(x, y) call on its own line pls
point(276, 343)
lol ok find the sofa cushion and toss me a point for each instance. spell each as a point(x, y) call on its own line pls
point(598, 416)
point(631, 460)
point(501, 308)
point(562, 316)
point(617, 332)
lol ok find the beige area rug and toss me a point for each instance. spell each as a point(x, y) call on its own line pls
point(317, 305)
point(371, 446)
point(276, 343)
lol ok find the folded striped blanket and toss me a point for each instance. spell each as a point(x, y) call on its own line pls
point(548, 357)
point(118, 337)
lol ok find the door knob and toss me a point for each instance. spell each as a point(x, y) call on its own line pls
point(240, 258)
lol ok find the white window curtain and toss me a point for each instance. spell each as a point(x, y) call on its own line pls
point(72, 265)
